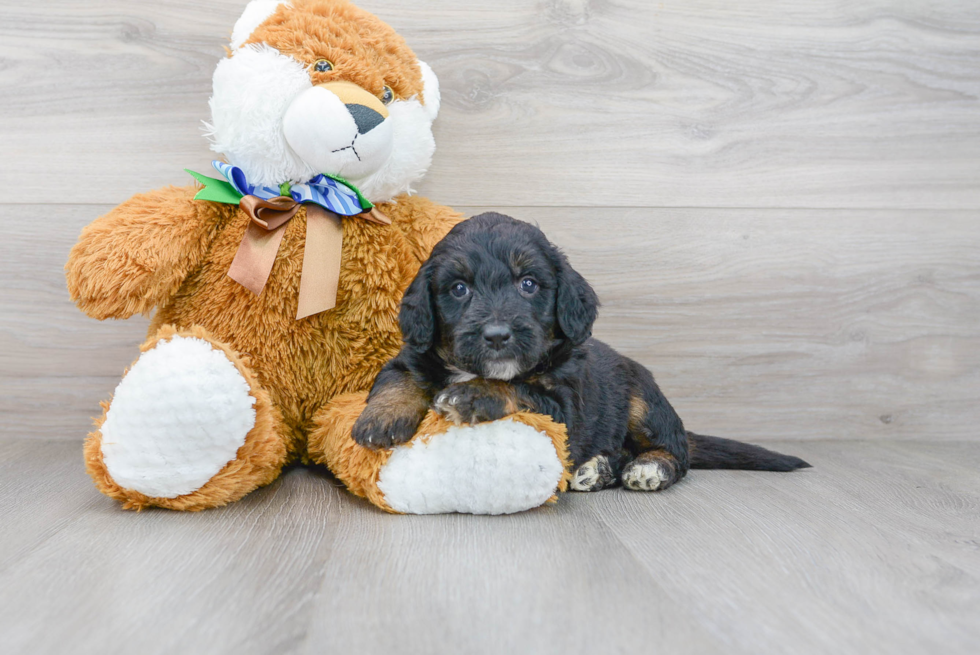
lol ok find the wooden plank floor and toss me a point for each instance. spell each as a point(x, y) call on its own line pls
point(875, 550)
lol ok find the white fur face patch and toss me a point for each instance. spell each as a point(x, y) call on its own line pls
point(506, 370)
point(180, 414)
point(491, 468)
point(320, 128)
point(252, 91)
point(459, 375)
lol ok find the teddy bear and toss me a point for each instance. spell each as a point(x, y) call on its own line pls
point(274, 285)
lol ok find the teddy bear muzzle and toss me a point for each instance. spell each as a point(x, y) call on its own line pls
point(340, 128)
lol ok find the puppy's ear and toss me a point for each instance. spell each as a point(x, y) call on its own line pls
point(577, 306)
point(417, 317)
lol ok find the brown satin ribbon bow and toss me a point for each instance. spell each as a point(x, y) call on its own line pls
point(321, 258)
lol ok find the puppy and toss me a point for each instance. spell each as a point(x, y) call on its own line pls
point(496, 322)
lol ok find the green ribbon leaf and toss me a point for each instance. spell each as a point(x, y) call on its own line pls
point(365, 203)
point(216, 190)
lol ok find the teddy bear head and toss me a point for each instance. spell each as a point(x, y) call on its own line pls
point(321, 86)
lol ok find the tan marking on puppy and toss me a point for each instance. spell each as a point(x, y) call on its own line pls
point(519, 261)
point(395, 397)
point(653, 470)
point(637, 424)
point(392, 414)
point(638, 412)
point(506, 393)
point(544, 381)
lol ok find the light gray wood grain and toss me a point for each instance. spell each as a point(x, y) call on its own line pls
point(548, 581)
point(871, 103)
point(872, 546)
point(874, 550)
point(759, 324)
point(779, 323)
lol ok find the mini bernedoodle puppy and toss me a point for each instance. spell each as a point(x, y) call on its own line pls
point(497, 321)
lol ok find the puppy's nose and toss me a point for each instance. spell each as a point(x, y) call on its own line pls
point(366, 118)
point(496, 335)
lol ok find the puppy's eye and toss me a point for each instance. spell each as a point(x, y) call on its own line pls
point(322, 66)
point(529, 285)
point(459, 290)
point(388, 95)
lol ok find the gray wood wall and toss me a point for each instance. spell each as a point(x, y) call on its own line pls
point(777, 202)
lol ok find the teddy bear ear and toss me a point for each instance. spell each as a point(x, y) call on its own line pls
point(254, 15)
point(430, 90)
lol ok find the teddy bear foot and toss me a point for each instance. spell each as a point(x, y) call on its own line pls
point(497, 467)
point(188, 428)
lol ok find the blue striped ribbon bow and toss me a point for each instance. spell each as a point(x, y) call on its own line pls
point(321, 190)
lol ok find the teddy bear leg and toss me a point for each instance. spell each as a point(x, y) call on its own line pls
point(498, 467)
point(189, 427)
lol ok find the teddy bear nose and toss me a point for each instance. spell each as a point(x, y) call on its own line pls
point(366, 118)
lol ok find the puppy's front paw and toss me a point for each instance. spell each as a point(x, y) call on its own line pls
point(382, 428)
point(470, 403)
point(595, 474)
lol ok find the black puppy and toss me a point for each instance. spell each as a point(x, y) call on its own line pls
point(496, 322)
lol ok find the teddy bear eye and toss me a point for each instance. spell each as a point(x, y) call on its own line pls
point(388, 95)
point(322, 66)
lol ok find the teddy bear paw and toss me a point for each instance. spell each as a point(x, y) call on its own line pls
point(176, 419)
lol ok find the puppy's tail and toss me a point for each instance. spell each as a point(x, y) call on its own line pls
point(717, 453)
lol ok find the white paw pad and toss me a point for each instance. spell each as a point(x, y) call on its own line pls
point(594, 475)
point(647, 476)
point(176, 419)
point(446, 405)
point(499, 467)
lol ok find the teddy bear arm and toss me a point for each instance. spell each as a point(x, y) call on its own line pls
point(136, 257)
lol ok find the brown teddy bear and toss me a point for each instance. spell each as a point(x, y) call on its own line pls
point(276, 286)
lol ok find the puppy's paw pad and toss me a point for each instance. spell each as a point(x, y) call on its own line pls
point(375, 429)
point(447, 404)
point(469, 403)
point(649, 475)
point(594, 475)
